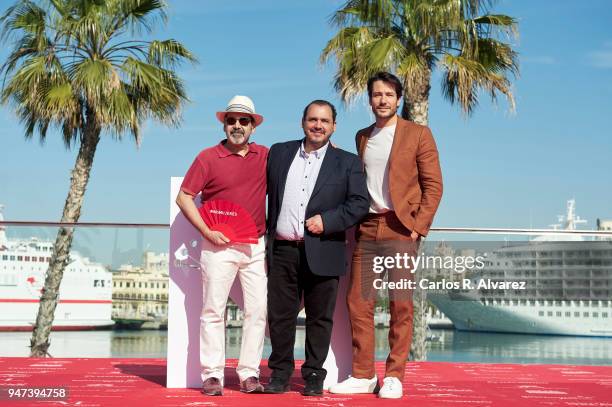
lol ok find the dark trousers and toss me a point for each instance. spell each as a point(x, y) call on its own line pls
point(289, 277)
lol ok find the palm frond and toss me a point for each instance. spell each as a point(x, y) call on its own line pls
point(137, 14)
point(25, 16)
point(383, 53)
point(94, 78)
point(359, 52)
point(367, 12)
point(159, 90)
point(498, 20)
point(464, 77)
point(168, 53)
point(60, 97)
point(411, 69)
point(497, 56)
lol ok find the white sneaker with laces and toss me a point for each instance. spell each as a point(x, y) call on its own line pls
point(391, 389)
point(353, 385)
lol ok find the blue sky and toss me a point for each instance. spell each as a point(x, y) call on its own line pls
point(500, 169)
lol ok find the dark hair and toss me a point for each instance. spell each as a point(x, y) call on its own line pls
point(387, 78)
point(320, 102)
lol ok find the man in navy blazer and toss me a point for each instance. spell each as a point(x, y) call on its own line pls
point(315, 193)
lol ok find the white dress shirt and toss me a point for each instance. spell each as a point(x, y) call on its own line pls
point(300, 182)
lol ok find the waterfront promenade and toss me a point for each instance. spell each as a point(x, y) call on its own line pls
point(139, 382)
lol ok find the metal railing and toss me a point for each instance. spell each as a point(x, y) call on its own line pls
point(511, 231)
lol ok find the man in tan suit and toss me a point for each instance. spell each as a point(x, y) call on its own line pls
point(405, 186)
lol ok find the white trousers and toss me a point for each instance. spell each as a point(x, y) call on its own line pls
point(219, 268)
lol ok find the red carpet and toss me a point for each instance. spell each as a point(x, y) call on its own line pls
point(141, 382)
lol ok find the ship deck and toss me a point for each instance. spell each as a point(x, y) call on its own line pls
point(139, 382)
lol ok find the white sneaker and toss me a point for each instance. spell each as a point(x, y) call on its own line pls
point(352, 385)
point(392, 388)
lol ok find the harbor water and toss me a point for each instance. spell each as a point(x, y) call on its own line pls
point(446, 346)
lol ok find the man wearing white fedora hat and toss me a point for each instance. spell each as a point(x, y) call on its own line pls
point(234, 170)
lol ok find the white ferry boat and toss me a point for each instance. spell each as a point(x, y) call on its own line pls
point(85, 298)
point(568, 288)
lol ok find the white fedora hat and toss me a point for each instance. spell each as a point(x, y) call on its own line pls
point(241, 104)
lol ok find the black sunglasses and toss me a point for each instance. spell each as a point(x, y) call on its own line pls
point(244, 121)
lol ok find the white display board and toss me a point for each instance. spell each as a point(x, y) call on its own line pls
point(185, 304)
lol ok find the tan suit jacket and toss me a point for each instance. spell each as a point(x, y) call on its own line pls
point(415, 178)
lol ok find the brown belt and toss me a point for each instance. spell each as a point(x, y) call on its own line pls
point(386, 215)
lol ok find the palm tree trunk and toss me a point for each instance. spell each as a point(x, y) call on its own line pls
point(416, 97)
point(418, 348)
point(39, 344)
point(416, 109)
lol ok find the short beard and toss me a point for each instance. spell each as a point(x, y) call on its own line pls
point(392, 112)
point(237, 138)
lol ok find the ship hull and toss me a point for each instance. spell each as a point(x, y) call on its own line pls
point(70, 315)
point(473, 315)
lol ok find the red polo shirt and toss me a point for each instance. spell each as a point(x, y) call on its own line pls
point(220, 174)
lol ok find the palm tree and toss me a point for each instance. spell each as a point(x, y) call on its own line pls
point(411, 38)
point(81, 67)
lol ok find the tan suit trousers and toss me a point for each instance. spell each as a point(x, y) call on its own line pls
point(380, 235)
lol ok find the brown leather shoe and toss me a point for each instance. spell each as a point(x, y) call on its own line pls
point(251, 385)
point(212, 387)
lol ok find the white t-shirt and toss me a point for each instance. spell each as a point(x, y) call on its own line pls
point(376, 159)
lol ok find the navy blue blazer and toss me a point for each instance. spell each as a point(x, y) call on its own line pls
point(340, 196)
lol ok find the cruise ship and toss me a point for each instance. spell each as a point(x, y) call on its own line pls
point(85, 299)
point(567, 287)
